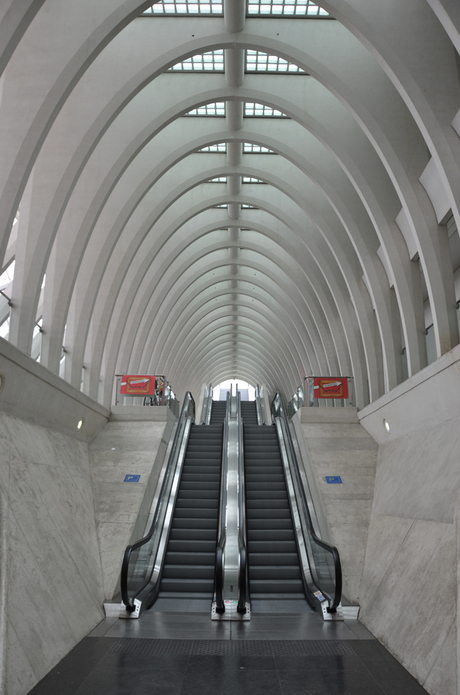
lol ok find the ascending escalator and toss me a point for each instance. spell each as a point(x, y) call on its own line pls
point(274, 569)
point(287, 560)
point(176, 558)
point(191, 550)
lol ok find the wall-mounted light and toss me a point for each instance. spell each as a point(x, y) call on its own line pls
point(80, 424)
point(386, 425)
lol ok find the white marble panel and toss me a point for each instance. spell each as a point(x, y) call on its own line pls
point(113, 539)
point(20, 677)
point(386, 534)
point(442, 677)
point(31, 441)
point(430, 587)
point(42, 629)
point(332, 430)
point(408, 591)
point(418, 475)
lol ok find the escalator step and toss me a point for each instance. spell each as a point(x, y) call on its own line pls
point(287, 586)
point(188, 546)
point(274, 572)
point(178, 558)
point(266, 547)
point(190, 586)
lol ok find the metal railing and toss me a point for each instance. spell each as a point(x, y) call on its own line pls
point(218, 603)
point(320, 561)
point(231, 552)
point(243, 567)
point(143, 561)
point(305, 395)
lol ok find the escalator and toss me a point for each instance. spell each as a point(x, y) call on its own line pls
point(287, 560)
point(176, 558)
point(190, 554)
point(274, 568)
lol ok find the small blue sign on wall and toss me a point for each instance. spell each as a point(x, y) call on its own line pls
point(132, 478)
point(333, 479)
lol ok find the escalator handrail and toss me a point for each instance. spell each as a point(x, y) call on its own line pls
point(335, 601)
point(220, 548)
point(243, 571)
point(186, 414)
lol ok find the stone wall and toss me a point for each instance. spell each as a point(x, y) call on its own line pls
point(50, 558)
point(133, 442)
point(409, 588)
point(337, 445)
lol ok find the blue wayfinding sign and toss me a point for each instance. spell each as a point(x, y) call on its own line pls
point(333, 479)
point(132, 478)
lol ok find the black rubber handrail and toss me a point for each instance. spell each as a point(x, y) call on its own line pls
point(127, 600)
point(243, 570)
point(335, 601)
point(220, 548)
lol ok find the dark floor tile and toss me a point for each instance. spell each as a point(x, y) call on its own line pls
point(371, 650)
point(393, 678)
point(319, 663)
point(234, 682)
point(328, 683)
point(222, 664)
point(69, 674)
point(125, 682)
point(142, 664)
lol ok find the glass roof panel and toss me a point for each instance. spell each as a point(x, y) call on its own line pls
point(251, 148)
point(218, 179)
point(285, 8)
point(213, 61)
point(185, 7)
point(215, 109)
point(251, 179)
point(254, 110)
point(257, 61)
point(217, 147)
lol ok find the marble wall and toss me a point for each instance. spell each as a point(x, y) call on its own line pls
point(410, 580)
point(337, 445)
point(132, 443)
point(50, 558)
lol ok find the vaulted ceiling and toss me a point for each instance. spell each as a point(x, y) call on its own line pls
point(317, 232)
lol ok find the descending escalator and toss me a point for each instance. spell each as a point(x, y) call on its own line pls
point(274, 568)
point(190, 554)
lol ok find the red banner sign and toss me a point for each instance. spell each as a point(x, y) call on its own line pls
point(137, 385)
point(330, 387)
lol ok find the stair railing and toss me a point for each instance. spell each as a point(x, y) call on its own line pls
point(244, 601)
point(143, 561)
point(320, 561)
point(218, 605)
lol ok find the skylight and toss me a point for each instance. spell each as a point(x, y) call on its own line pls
point(218, 147)
point(218, 179)
point(254, 110)
point(250, 148)
point(212, 61)
point(251, 179)
point(285, 8)
point(185, 7)
point(249, 207)
point(256, 61)
point(215, 109)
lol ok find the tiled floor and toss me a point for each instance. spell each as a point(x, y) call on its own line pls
point(178, 653)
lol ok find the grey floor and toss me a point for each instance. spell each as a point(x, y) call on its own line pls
point(181, 652)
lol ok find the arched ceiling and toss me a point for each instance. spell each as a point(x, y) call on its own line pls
point(333, 253)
